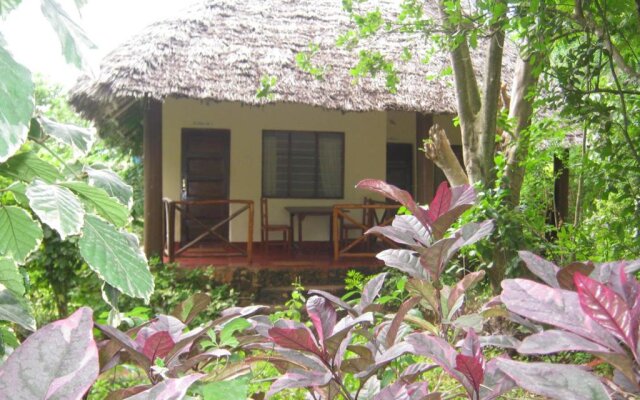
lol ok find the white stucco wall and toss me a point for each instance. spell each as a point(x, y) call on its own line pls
point(365, 152)
point(365, 134)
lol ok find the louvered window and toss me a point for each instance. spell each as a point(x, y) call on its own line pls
point(302, 164)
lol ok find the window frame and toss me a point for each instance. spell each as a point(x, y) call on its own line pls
point(317, 134)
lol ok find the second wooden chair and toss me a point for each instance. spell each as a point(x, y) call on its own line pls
point(266, 228)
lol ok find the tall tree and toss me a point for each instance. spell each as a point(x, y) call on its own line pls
point(537, 30)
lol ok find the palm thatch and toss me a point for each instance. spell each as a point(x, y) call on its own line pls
point(219, 50)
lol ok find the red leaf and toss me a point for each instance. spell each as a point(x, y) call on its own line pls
point(295, 338)
point(607, 308)
point(472, 369)
point(158, 345)
point(440, 203)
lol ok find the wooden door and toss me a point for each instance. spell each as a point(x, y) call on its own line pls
point(205, 176)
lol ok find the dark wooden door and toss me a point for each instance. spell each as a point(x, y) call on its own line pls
point(205, 176)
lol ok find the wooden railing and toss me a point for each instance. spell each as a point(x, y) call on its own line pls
point(170, 208)
point(342, 213)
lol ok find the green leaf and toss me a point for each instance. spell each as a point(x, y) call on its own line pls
point(16, 103)
point(109, 254)
point(70, 34)
point(11, 277)
point(97, 199)
point(57, 207)
point(8, 337)
point(27, 166)
point(226, 335)
point(236, 389)
point(15, 309)
point(19, 190)
point(6, 6)
point(112, 184)
point(19, 233)
point(77, 137)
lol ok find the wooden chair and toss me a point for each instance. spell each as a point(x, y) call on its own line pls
point(265, 228)
point(345, 228)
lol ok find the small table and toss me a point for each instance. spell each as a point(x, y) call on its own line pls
point(303, 212)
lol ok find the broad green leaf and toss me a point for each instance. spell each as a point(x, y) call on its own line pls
point(27, 166)
point(15, 309)
point(77, 137)
point(109, 254)
point(16, 103)
point(19, 233)
point(97, 199)
point(19, 190)
point(11, 277)
point(112, 184)
point(72, 37)
point(57, 207)
point(59, 361)
point(6, 6)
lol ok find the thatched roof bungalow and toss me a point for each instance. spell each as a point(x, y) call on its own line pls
point(207, 134)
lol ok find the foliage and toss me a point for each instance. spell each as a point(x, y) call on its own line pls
point(342, 357)
point(45, 188)
point(591, 308)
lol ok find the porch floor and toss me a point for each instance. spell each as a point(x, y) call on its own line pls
point(269, 277)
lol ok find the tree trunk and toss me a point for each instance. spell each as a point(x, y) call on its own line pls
point(517, 149)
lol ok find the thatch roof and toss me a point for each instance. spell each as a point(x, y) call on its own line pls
point(220, 49)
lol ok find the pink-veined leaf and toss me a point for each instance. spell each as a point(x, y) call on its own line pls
point(462, 198)
point(334, 299)
point(407, 306)
point(607, 308)
point(496, 382)
point(170, 389)
point(298, 378)
point(322, 315)
point(406, 261)
point(435, 257)
point(470, 361)
point(370, 292)
point(466, 283)
point(395, 391)
point(543, 269)
point(557, 307)
point(401, 196)
point(158, 345)
point(554, 341)
point(59, 361)
point(125, 341)
point(440, 203)
point(555, 381)
point(299, 338)
point(472, 370)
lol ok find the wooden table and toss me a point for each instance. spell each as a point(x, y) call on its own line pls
point(306, 211)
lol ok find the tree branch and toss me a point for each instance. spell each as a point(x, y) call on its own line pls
point(490, 100)
point(438, 149)
point(589, 24)
point(524, 81)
